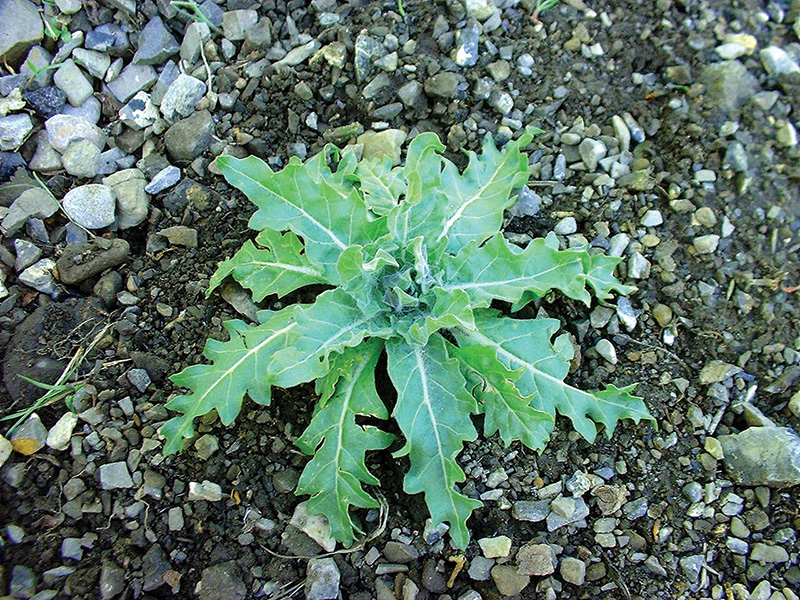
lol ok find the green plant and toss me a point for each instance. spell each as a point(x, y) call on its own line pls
point(541, 6)
point(191, 10)
point(416, 267)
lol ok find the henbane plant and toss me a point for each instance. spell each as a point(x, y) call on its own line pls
point(415, 267)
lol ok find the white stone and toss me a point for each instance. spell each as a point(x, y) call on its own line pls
point(91, 206)
point(5, 450)
point(606, 349)
point(207, 490)
point(60, 434)
point(314, 526)
point(495, 547)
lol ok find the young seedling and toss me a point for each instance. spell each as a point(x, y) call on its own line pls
point(415, 268)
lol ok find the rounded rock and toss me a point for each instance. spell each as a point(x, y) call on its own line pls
point(91, 206)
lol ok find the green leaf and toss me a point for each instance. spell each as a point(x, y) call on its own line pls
point(332, 323)
point(278, 268)
point(433, 411)
point(382, 186)
point(450, 309)
point(238, 367)
point(335, 475)
point(500, 270)
point(325, 210)
point(599, 270)
point(361, 280)
point(477, 198)
point(506, 410)
point(525, 344)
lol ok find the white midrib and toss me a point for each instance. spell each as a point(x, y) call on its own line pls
point(339, 438)
point(287, 267)
point(235, 366)
point(451, 221)
point(327, 231)
point(427, 402)
point(481, 284)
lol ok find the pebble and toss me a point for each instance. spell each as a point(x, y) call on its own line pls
point(298, 55)
point(207, 490)
point(71, 548)
point(495, 547)
point(26, 254)
point(442, 85)
point(662, 314)
point(80, 261)
point(23, 582)
point(205, 446)
point(45, 101)
point(730, 50)
point(322, 579)
point(606, 350)
point(39, 276)
point(638, 266)
point(480, 568)
point(536, 559)
point(156, 44)
point(480, 9)
point(133, 202)
point(59, 436)
point(71, 80)
point(112, 580)
point(222, 582)
point(652, 218)
point(592, 151)
point(692, 566)
point(81, 159)
point(179, 235)
point(382, 144)
point(164, 179)
point(115, 476)
point(91, 206)
point(729, 85)
point(314, 526)
point(768, 553)
point(466, 52)
point(706, 244)
point(767, 456)
point(132, 79)
point(62, 130)
point(777, 61)
point(139, 112)
point(786, 135)
point(189, 138)
point(508, 580)
point(652, 564)
point(30, 436)
point(182, 97)
point(236, 23)
point(566, 226)
point(175, 520)
point(573, 570)
point(15, 533)
point(556, 520)
point(96, 63)
point(13, 130)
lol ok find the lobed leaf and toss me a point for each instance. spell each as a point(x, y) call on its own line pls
point(238, 367)
point(506, 410)
point(335, 475)
point(280, 267)
point(381, 185)
point(433, 411)
point(310, 200)
point(525, 344)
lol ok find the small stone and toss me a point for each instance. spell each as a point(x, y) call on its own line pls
point(80, 261)
point(786, 135)
point(777, 61)
point(91, 206)
point(386, 143)
point(322, 579)
point(139, 112)
point(59, 436)
point(13, 131)
point(71, 80)
point(115, 476)
point(573, 570)
point(635, 509)
point(409, 93)
point(729, 85)
point(39, 276)
point(156, 44)
point(45, 101)
point(23, 579)
point(197, 33)
point(133, 78)
point(189, 138)
point(15, 533)
point(652, 218)
point(96, 63)
point(638, 266)
point(442, 85)
point(314, 526)
point(207, 490)
point(606, 350)
point(651, 564)
point(706, 244)
point(62, 130)
point(767, 456)
point(236, 23)
point(6, 448)
point(26, 254)
point(154, 566)
point(536, 559)
point(81, 159)
point(768, 553)
point(730, 51)
point(112, 580)
point(692, 566)
point(525, 510)
point(182, 97)
point(222, 582)
point(71, 548)
point(592, 151)
point(178, 235)
point(175, 519)
point(508, 580)
point(164, 179)
point(140, 379)
point(495, 547)
point(499, 70)
point(298, 55)
point(205, 446)
point(563, 506)
point(466, 52)
point(566, 226)
point(133, 202)
point(32, 203)
point(481, 10)
point(30, 436)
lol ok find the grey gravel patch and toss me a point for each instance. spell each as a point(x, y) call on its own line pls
point(222, 582)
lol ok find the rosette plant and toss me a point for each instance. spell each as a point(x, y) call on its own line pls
point(413, 264)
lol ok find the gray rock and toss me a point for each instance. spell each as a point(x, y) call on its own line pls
point(115, 476)
point(196, 34)
point(295, 56)
point(528, 203)
point(96, 63)
point(13, 130)
point(399, 553)
point(322, 579)
point(39, 276)
point(692, 566)
point(45, 101)
point(32, 203)
point(382, 144)
point(480, 568)
point(729, 85)
point(573, 570)
point(502, 102)
point(91, 206)
point(777, 61)
point(60, 434)
point(466, 52)
point(189, 138)
point(442, 85)
point(156, 44)
point(71, 548)
point(409, 93)
point(621, 132)
point(22, 28)
point(139, 379)
point(182, 97)
point(768, 553)
point(566, 226)
point(592, 151)
point(205, 446)
point(767, 456)
point(180, 235)
point(133, 78)
point(388, 63)
point(536, 559)
point(154, 565)
point(79, 262)
point(71, 80)
point(556, 521)
point(89, 110)
point(207, 490)
point(26, 254)
point(222, 582)
point(533, 511)
point(235, 23)
point(638, 266)
point(260, 35)
point(23, 579)
point(139, 112)
point(5, 450)
point(30, 436)
point(374, 87)
point(38, 58)
point(62, 130)
point(45, 158)
point(81, 159)
point(175, 520)
point(164, 179)
point(637, 133)
point(480, 9)
point(635, 509)
point(112, 580)
point(367, 48)
point(133, 201)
